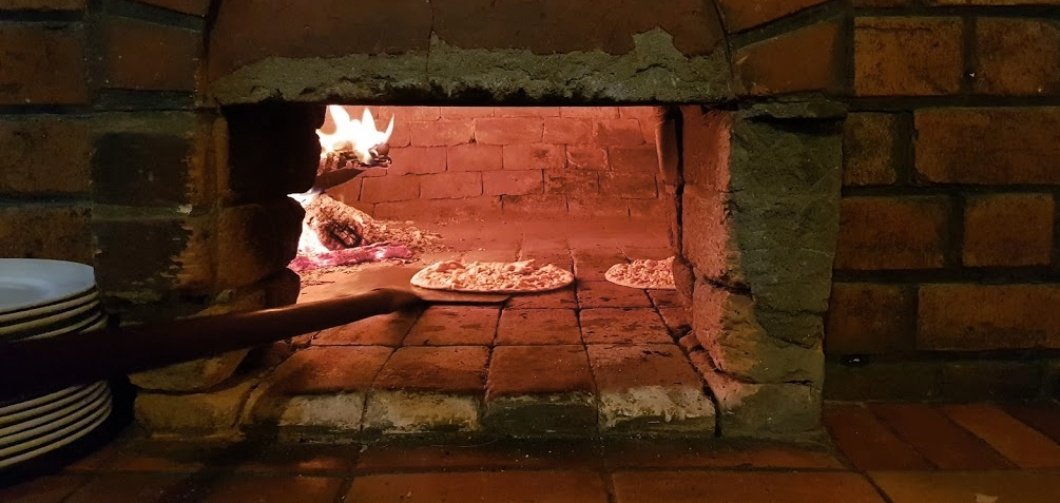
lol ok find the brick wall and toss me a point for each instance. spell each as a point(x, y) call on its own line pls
point(517, 162)
point(946, 269)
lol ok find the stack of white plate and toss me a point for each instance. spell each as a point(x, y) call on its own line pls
point(39, 299)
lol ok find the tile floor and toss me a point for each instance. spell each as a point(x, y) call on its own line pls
point(887, 452)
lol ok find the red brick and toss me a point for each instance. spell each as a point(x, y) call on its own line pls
point(589, 112)
point(417, 160)
point(571, 182)
point(1017, 57)
point(596, 205)
point(503, 131)
point(807, 59)
point(567, 131)
point(534, 156)
point(390, 188)
point(527, 112)
point(538, 326)
point(380, 330)
point(706, 147)
point(867, 442)
point(473, 157)
point(536, 206)
point(906, 56)
point(623, 326)
point(866, 318)
point(42, 65)
point(46, 231)
point(467, 112)
point(147, 56)
point(194, 7)
point(628, 185)
point(44, 5)
point(432, 210)
point(441, 132)
point(1008, 230)
point(881, 233)
point(969, 317)
point(642, 159)
point(870, 149)
point(587, 157)
point(539, 369)
point(451, 185)
point(44, 155)
point(1021, 444)
point(604, 294)
point(322, 370)
point(551, 486)
point(988, 146)
point(511, 182)
point(298, 487)
point(425, 368)
point(454, 326)
point(618, 132)
point(740, 15)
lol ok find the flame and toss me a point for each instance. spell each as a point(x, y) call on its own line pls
point(308, 242)
point(352, 135)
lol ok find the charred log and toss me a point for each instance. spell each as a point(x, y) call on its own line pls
point(337, 225)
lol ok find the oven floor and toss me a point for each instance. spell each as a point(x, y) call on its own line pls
point(592, 358)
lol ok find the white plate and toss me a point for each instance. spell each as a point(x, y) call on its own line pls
point(27, 283)
point(63, 438)
point(37, 312)
point(33, 437)
point(55, 319)
point(47, 406)
point(13, 407)
point(45, 417)
point(95, 320)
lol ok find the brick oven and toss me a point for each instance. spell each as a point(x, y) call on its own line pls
point(869, 167)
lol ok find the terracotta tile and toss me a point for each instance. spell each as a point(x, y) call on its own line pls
point(743, 487)
point(1018, 442)
point(50, 489)
point(424, 368)
point(559, 299)
point(527, 370)
point(938, 439)
point(332, 369)
point(969, 487)
point(382, 330)
point(538, 326)
point(623, 326)
point(551, 486)
point(714, 454)
point(867, 442)
point(590, 265)
point(624, 367)
point(592, 294)
point(165, 457)
point(295, 459)
point(535, 454)
point(136, 488)
point(454, 326)
point(1044, 418)
point(640, 251)
point(270, 489)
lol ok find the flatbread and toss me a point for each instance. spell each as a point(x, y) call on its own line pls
point(495, 277)
point(644, 274)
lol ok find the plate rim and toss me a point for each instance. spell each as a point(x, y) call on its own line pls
point(86, 272)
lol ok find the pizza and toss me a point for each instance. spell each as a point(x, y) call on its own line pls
point(494, 277)
point(644, 273)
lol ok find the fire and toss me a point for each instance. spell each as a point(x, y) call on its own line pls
point(353, 140)
point(357, 137)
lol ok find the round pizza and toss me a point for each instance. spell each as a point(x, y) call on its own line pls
point(492, 277)
point(644, 274)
